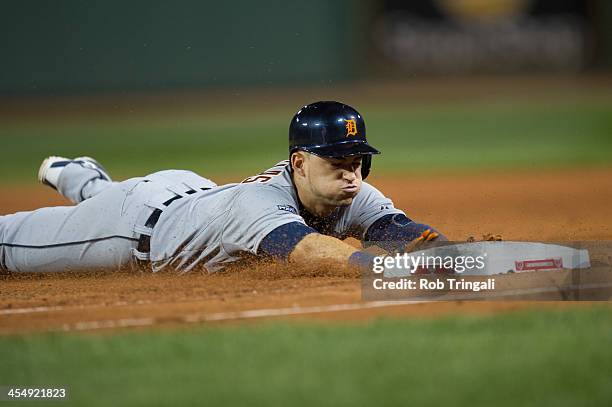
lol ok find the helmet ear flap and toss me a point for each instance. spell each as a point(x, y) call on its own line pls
point(366, 163)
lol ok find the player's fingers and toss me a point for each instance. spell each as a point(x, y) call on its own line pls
point(416, 241)
point(432, 236)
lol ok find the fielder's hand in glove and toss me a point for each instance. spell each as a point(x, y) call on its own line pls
point(487, 237)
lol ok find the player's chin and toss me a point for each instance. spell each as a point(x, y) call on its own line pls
point(345, 198)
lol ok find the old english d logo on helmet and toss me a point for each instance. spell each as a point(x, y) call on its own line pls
point(331, 129)
point(351, 127)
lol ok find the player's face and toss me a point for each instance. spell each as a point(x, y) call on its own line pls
point(334, 181)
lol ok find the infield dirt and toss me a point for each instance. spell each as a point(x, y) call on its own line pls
point(571, 204)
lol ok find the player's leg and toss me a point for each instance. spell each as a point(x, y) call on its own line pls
point(181, 177)
point(97, 233)
point(77, 179)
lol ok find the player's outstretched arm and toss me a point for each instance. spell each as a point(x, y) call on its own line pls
point(315, 249)
point(302, 245)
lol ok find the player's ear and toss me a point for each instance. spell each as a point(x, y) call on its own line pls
point(297, 162)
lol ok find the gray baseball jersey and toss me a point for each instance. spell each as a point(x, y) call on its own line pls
point(200, 223)
point(226, 223)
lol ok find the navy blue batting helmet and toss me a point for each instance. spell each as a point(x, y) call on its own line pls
point(331, 129)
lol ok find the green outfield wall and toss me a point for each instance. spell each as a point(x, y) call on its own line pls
point(71, 45)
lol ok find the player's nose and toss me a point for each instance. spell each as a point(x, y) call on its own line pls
point(349, 175)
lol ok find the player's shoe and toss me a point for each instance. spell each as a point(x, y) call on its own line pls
point(52, 166)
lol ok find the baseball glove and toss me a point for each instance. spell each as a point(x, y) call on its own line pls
point(487, 237)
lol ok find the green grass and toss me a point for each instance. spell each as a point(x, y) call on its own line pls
point(442, 137)
point(535, 358)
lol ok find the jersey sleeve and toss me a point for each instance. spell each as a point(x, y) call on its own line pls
point(255, 213)
point(367, 207)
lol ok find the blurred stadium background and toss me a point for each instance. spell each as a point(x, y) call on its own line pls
point(211, 86)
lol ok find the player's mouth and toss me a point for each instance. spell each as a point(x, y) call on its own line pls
point(350, 189)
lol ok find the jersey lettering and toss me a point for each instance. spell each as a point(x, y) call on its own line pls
point(268, 174)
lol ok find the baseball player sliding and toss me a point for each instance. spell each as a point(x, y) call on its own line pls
point(297, 211)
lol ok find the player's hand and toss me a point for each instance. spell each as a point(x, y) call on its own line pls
point(427, 236)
